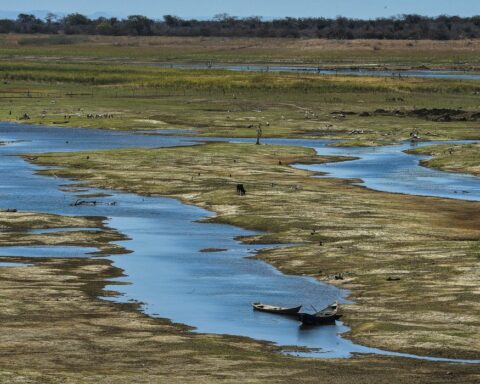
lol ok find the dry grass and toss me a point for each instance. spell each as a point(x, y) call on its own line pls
point(357, 53)
point(464, 158)
point(55, 330)
point(15, 226)
point(431, 244)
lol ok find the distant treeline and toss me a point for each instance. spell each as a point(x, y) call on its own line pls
point(402, 27)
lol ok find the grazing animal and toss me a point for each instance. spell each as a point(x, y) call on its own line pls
point(241, 190)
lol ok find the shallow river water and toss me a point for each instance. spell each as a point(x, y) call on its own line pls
point(420, 73)
point(167, 271)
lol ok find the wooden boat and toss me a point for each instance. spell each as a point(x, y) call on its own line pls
point(277, 310)
point(326, 316)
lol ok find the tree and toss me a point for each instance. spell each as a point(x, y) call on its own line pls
point(401, 27)
point(24, 18)
point(141, 25)
point(75, 19)
point(6, 26)
point(223, 17)
point(50, 18)
point(105, 27)
point(28, 23)
point(172, 21)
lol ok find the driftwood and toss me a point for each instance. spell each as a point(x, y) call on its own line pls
point(90, 203)
point(9, 210)
point(83, 202)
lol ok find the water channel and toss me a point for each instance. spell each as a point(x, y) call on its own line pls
point(417, 73)
point(167, 270)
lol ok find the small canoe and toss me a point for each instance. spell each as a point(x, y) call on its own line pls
point(326, 316)
point(277, 310)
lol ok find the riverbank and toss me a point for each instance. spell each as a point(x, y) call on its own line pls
point(463, 158)
point(19, 229)
point(55, 329)
point(405, 258)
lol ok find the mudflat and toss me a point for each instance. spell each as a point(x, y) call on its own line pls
point(56, 329)
point(405, 258)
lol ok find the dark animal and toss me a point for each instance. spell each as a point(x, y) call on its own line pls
point(241, 190)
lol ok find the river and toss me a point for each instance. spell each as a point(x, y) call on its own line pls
point(418, 73)
point(166, 270)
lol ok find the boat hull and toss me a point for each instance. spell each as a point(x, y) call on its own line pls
point(326, 316)
point(276, 310)
point(308, 319)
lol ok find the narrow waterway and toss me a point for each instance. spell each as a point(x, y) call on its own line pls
point(166, 269)
point(419, 73)
point(390, 169)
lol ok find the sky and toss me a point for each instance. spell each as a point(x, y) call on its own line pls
point(364, 9)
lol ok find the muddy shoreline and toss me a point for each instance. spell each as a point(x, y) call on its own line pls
point(278, 260)
point(57, 300)
point(92, 340)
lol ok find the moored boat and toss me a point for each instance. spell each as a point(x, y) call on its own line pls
point(326, 316)
point(275, 309)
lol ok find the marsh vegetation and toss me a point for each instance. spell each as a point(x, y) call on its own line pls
point(392, 54)
point(361, 110)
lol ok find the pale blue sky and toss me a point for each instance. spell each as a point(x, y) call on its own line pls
point(266, 8)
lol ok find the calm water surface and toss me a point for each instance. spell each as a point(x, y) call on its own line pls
point(433, 74)
point(167, 271)
point(390, 169)
point(6, 264)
